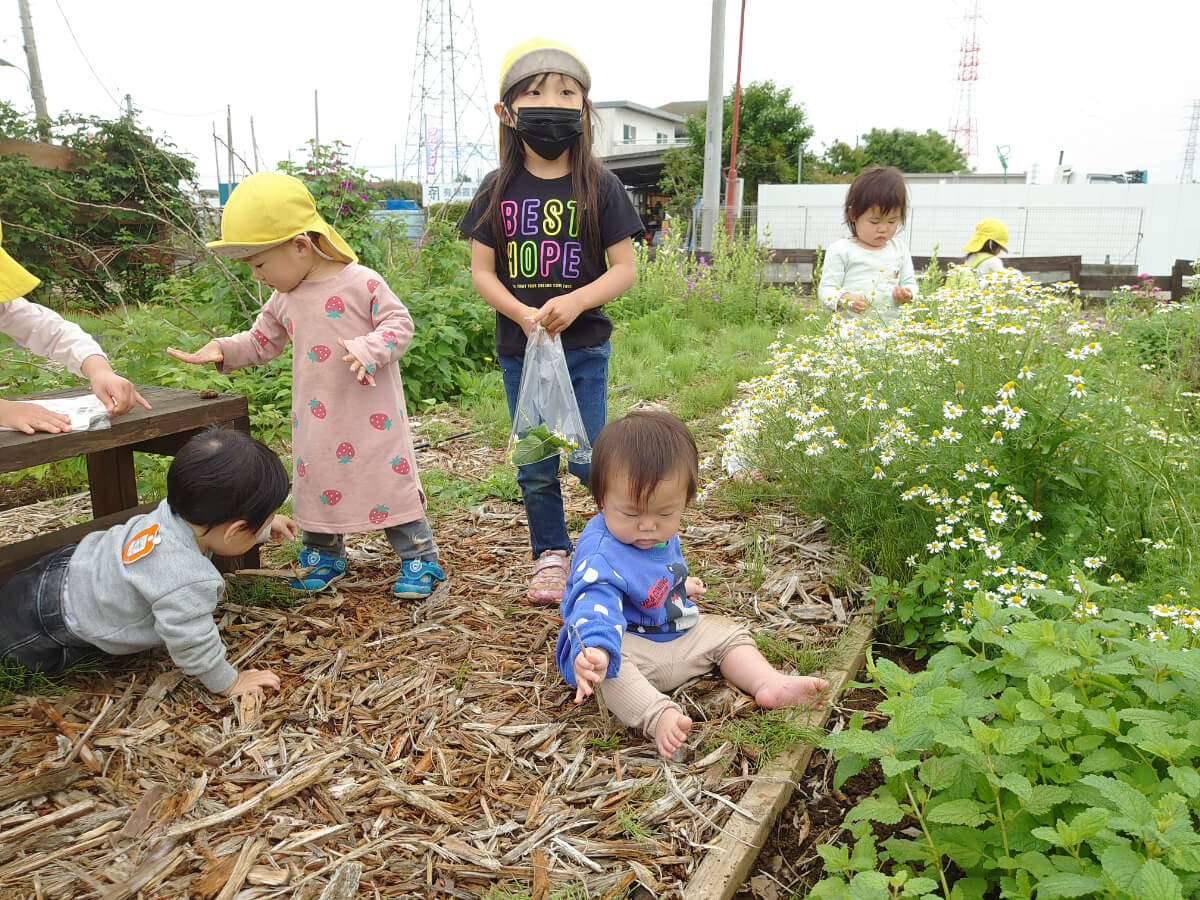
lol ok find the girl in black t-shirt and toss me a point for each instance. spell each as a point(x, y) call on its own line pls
point(551, 237)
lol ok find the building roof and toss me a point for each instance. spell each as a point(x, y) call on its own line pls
point(665, 115)
point(685, 108)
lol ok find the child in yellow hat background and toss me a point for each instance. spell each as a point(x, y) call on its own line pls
point(551, 234)
point(354, 468)
point(985, 246)
point(46, 333)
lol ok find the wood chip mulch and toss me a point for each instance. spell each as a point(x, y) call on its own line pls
point(415, 750)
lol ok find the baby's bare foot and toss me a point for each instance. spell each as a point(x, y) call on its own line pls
point(671, 731)
point(791, 690)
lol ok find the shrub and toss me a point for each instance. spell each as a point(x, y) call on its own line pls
point(725, 285)
point(99, 233)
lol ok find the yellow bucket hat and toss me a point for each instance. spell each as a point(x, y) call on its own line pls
point(15, 280)
point(538, 55)
point(269, 209)
point(988, 230)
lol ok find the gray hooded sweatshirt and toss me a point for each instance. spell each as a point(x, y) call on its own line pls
point(147, 584)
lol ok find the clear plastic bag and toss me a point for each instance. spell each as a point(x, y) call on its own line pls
point(546, 421)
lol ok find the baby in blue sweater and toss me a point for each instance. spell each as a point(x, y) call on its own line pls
point(149, 582)
point(630, 600)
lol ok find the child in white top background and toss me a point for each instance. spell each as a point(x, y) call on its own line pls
point(46, 333)
point(629, 608)
point(871, 271)
point(354, 468)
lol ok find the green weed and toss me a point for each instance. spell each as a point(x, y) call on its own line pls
point(261, 591)
point(784, 653)
point(764, 735)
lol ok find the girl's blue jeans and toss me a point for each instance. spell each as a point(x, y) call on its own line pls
point(539, 481)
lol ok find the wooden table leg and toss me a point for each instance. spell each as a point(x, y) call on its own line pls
point(112, 480)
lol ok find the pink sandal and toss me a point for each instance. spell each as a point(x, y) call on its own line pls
point(549, 578)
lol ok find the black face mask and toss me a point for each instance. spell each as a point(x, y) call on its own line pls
point(549, 130)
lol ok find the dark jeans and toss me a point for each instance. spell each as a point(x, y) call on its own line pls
point(539, 481)
point(410, 540)
point(32, 631)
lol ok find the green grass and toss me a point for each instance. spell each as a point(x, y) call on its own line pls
point(764, 735)
point(448, 493)
point(783, 653)
point(614, 740)
point(510, 890)
point(16, 679)
point(261, 591)
point(627, 818)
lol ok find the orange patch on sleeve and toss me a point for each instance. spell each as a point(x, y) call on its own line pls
point(140, 544)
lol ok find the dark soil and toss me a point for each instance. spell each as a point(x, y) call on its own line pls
point(30, 490)
point(789, 865)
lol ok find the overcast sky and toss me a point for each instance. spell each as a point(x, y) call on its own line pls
point(1110, 84)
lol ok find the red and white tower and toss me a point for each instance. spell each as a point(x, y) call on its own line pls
point(963, 131)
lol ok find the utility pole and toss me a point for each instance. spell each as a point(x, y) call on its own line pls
point(731, 183)
point(229, 143)
point(129, 107)
point(710, 199)
point(316, 122)
point(35, 73)
point(254, 145)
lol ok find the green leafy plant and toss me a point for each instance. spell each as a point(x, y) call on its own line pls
point(538, 443)
point(1047, 753)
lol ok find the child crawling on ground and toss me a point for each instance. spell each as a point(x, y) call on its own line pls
point(630, 600)
point(149, 582)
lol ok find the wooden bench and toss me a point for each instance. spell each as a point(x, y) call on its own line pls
point(177, 416)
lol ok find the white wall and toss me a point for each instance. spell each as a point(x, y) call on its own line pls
point(1147, 225)
point(609, 138)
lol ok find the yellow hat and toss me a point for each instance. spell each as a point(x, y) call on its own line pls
point(538, 55)
point(15, 281)
point(269, 209)
point(988, 230)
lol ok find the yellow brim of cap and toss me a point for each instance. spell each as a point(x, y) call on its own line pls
point(15, 280)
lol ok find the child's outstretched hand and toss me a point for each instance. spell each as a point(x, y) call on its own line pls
point(116, 393)
point(252, 681)
point(591, 664)
point(694, 587)
point(283, 528)
point(360, 371)
point(209, 353)
point(902, 294)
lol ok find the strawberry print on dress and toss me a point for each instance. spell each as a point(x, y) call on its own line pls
point(352, 433)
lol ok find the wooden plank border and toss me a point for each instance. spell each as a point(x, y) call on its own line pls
point(734, 851)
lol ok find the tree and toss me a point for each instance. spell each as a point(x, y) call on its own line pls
point(906, 150)
point(398, 190)
point(771, 131)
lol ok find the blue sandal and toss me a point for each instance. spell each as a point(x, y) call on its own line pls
point(416, 580)
point(318, 570)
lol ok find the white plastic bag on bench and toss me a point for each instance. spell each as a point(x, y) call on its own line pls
point(546, 421)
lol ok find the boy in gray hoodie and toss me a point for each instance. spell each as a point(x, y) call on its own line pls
point(149, 582)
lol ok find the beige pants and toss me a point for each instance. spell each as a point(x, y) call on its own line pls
point(648, 668)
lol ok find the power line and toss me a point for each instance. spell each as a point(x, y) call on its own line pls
point(79, 47)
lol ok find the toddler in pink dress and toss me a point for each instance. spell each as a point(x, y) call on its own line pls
point(354, 468)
